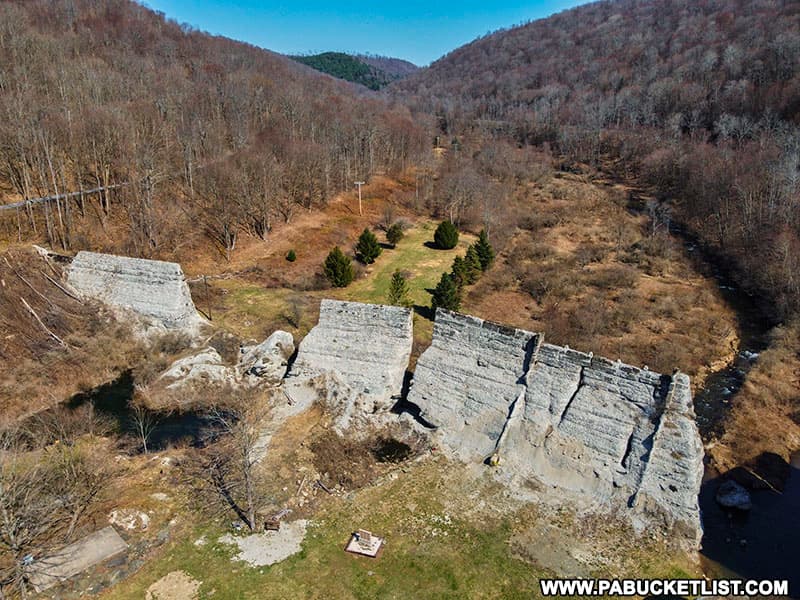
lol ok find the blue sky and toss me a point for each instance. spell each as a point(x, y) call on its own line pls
point(415, 30)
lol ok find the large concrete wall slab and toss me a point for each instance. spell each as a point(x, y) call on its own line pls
point(153, 289)
point(466, 381)
point(367, 346)
point(621, 437)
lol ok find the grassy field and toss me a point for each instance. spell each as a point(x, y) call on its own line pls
point(251, 310)
point(422, 265)
point(450, 533)
point(430, 552)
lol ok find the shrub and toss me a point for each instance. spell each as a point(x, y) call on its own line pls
point(291, 256)
point(338, 268)
point(484, 250)
point(619, 277)
point(459, 272)
point(536, 221)
point(472, 265)
point(447, 294)
point(398, 290)
point(446, 236)
point(368, 248)
point(394, 234)
point(589, 253)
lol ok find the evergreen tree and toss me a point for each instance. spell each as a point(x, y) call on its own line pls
point(368, 248)
point(398, 290)
point(446, 295)
point(394, 234)
point(472, 265)
point(291, 256)
point(459, 272)
point(484, 250)
point(446, 236)
point(338, 268)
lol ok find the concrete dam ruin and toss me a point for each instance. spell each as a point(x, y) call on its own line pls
point(618, 435)
point(354, 361)
point(608, 436)
point(618, 439)
point(153, 289)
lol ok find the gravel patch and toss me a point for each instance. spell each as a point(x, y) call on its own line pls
point(268, 548)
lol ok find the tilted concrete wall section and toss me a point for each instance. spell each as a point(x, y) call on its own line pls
point(466, 381)
point(367, 345)
point(151, 288)
point(620, 436)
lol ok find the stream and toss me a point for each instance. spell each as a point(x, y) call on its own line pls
point(764, 542)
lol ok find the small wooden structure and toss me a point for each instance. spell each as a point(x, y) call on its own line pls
point(273, 522)
point(365, 543)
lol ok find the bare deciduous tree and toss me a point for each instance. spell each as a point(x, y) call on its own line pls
point(226, 473)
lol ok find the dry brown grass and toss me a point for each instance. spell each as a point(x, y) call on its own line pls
point(766, 412)
point(76, 346)
point(584, 270)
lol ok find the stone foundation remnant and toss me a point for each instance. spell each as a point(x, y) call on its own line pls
point(622, 438)
point(153, 289)
point(363, 349)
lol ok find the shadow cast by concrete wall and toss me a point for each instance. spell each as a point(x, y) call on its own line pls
point(762, 543)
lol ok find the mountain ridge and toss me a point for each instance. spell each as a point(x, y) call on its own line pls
point(371, 71)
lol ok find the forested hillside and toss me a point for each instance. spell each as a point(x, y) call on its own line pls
point(201, 133)
point(699, 99)
point(395, 68)
point(373, 72)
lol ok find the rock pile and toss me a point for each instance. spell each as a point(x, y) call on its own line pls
point(264, 362)
point(620, 437)
point(152, 289)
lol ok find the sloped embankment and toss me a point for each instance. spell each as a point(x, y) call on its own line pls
point(52, 342)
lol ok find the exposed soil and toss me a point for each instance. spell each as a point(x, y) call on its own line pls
point(177, 585)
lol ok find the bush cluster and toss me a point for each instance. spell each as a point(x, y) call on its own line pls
point(465, 271)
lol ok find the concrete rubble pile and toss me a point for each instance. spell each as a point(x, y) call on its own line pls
point(260, 363)
point(621, 438)
point(152, 289)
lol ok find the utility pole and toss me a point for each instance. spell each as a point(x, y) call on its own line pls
point(359, 184)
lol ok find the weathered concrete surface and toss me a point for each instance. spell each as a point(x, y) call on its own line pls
point(269, 359)
point(467, 380)
point(75, 558)
point(261, 363)
point(367, 346)
point(621, 438)
point(203, 366)
point(153, 289)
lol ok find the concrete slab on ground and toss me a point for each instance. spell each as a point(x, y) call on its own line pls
point(75, 558)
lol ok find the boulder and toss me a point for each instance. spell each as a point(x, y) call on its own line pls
point(732, 495)
point(269, 359)
point(262, 363)
point(206, 365)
